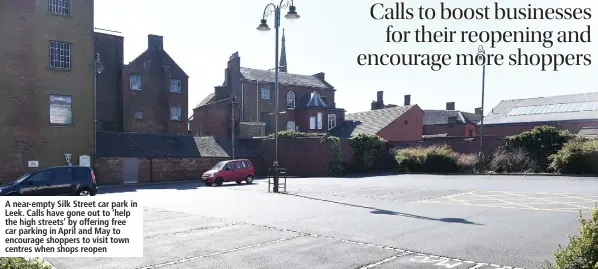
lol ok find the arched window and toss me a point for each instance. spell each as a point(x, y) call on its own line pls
point(291, 100)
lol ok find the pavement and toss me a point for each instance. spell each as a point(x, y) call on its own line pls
point(394, 221)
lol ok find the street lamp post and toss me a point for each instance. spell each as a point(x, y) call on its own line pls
point(291, 15)
point(97, 69)
point(482, 55)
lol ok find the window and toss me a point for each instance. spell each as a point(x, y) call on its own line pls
point(319, 121)
point(61, 110)
point(240, 165)
point(138, 115)
point(554, 108)
point(175, 85)
point(60, 7)
point(39, 177)
point(247, 163)
point(135, 82)
point(61, 175)
point(60, 55)
point(175, 113)
point(290, 126)
point(312, 123)
point(291, 100)
point(331, 121)
point(265, 93)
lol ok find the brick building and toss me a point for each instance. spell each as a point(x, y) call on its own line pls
point(155, 95)
point(568, 112)
point(451, 122)
point(46, 83)
point(400, 123)
point(306, 102)
point(109, 83)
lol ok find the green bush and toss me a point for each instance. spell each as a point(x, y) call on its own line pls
point(337, 166)
point(435, 159)
point(515, 161)
point(367, 149)
point(295, 134)
point(22, 263)
point(578, 156)
point(582, 251)
point(541, 142)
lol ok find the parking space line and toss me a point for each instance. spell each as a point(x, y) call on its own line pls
point(546, 200)
point(459, 201)
point(595, 200)
point(508, 202)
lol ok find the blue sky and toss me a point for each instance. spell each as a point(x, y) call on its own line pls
point(201, 35)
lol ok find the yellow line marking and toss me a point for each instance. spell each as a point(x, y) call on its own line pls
point(579, 198)
point(462, 202)
point(505, 201)
point(510, 207)
point(540, 199)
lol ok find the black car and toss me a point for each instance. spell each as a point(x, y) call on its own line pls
point(54, 181)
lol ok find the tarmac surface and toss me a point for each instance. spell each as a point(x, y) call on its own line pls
point(396, 221)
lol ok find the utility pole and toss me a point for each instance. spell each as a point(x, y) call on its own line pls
point(233, 105)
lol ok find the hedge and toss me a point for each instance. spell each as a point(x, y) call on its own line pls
point(578, 156)
point(541, 142)
point(23, 263)
point(435, 159)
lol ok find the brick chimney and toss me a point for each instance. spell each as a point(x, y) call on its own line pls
point(155, 42)
point(380, 97)
point(374, 105)
point(407, 100)
point(450, 105)
point(233, 74)
point(321, 76)
point(478, 111)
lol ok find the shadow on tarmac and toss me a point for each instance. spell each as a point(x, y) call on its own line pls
point(378, 211)
point(162, 186)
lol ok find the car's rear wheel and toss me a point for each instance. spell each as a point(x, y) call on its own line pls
point(249, 179)
point(84, 192)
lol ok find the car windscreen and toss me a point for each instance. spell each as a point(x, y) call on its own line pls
point(218, 166)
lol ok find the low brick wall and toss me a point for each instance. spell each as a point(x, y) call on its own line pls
point(461, 144)
point(110, 170)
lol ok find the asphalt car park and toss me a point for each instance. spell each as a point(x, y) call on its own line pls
point(369, 222)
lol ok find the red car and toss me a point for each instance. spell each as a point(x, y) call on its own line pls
point(227, 171)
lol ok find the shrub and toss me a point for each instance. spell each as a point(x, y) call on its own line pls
point(435, 159)
point(578, 156)
point(295, 134)
point(337, 166)
point(367, 149)
point(582, 251)
point(468, 163)
point(22, 263)
point(516, 161)
point(541, 142)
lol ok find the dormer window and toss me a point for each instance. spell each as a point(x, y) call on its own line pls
point(291, 100)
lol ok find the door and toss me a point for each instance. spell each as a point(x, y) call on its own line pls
point(62, 182)
point(37, 184)
point(230, 171)
point(130, 170)
point(241, 172)
point(266, 119)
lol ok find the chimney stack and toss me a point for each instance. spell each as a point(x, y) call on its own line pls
point(478, 111)
point(450, 105)
point(155, 42)
point(380, 99)
point(373, 106)
point(407, 100)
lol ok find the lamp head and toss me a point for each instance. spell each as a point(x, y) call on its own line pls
point(292, 14)
point(263, 26)
point(481, 50)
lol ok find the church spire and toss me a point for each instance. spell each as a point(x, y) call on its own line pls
point(283, 54)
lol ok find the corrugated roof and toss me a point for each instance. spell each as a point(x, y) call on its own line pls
point(500, 114)
point(284, 78)
point(368, 122)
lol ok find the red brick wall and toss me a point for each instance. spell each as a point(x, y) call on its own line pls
point(459, 144)
point(110, 170)
point(515, 129)
point(459, 129)
point(155, 98)
point(407, 127)
point(212, 120)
